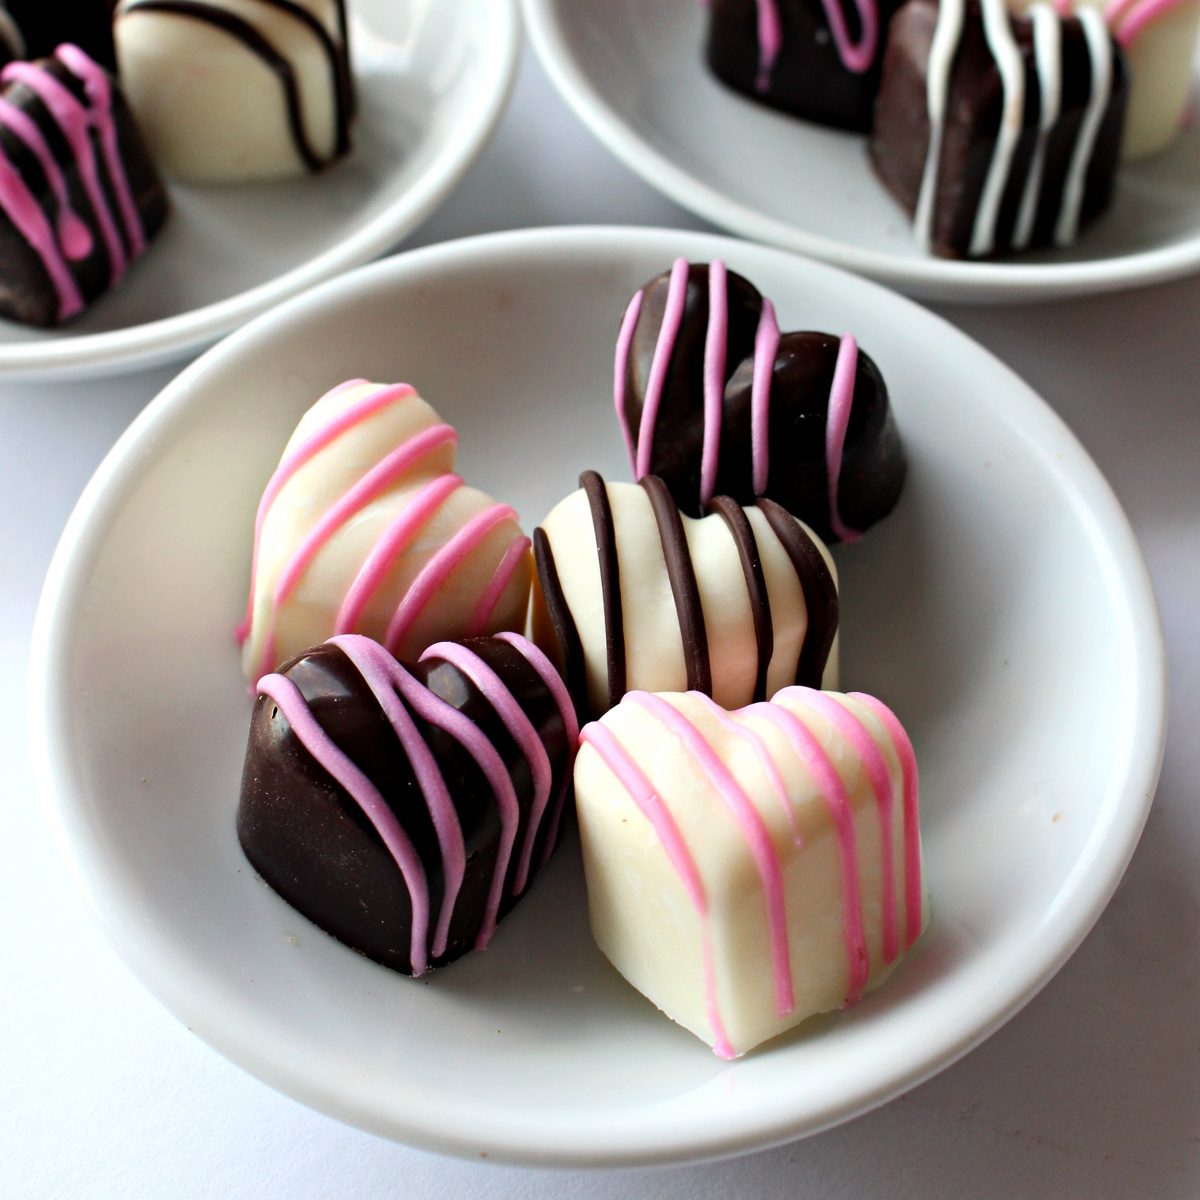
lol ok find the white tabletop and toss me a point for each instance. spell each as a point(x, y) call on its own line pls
point(1092, 1091)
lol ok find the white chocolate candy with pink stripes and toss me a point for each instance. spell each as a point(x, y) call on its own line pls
point(747, 870)
point(365, 528)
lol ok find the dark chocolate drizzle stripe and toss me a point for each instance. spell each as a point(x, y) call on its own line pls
point(820, 592)
point(257, 44)
point(566, 632)
point(610, 582)
point(756, 585)
point(684, 587)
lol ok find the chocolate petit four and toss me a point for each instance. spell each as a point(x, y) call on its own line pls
point(817, 59)
point(365, 528)
point(79, 198)
point(634, 595)
point(229, 91)
point(998, 132)
point(747, 870)
point(406, 808)
point(714, 400)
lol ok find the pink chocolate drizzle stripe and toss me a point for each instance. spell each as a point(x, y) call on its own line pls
point(321, 746)
point(74, 120)
point(99, 93)
point(439, 568)
point(30, 220)
point(369, 486)
point(913, 890)
point(501, 578)
point(875, 765)
point(642, 793)
point(621, 372)
point(395, 540)
point(380, 671)
point(829, 783)
point(766, 346)
point(716, 349)
point(770, 38)
point(307, 450)
point(857, 57)
point(660, 364)
point(841, 401)
point(517, 722)
point(74, 237)
point(554, 684)
point(753, 829)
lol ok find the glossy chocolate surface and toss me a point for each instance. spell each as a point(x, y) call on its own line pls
point(313, 843)
point(46, 24)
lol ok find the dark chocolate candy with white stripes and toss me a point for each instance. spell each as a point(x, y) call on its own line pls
point(714, 400)
point(80, 199)
point(998, 133)
point(633, 595)
point(406, 808)
point(816, 59)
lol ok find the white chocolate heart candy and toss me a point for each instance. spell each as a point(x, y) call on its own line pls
point(364, 528)
point(747, 870)
point(633, 595)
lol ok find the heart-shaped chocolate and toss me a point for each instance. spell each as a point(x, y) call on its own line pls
point(747, 870)
point(405, 809)
point(364, 528)
point(633, 595)
point(712, 398)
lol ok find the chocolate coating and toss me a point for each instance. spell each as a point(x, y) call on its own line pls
point(313, 842)
point(900, 142)
point(46, 24)
point(808, 78)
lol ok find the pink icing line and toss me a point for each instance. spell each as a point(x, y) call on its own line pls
point(321, 746)
point(73, 234)
point(660, 363)
point(380, 671)
point(381, 476)
point(621, 372)
point(716, 348)
point(308, 449)
point(30, 220)
point(518, 724)
point(766, 346)
point(99, 93)
point(770, 38)
point(753, 829)
point(390, 546)
point(1129, 17)
point(841, 401)
point(913, 907)
point(438, 569)
point(856, 57)
point(496, 587)
point(73, 119)
point(875, 765)
point(819, 765)
point(554, 684)
point(642, 793)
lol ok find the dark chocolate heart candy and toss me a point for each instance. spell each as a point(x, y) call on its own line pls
point(714, 407)
point(406, 808)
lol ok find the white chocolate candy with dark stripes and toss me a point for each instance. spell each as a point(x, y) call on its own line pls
point(747, 870)
point(233, 90)
point(633, 595)
point(365, 528)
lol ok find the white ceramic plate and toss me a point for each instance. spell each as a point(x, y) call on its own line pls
point(634, 74)
point(433, 78)
point(1003, 610)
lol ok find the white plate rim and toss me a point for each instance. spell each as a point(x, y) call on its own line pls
point(166, 970)
point(153, 343)
point(929, 278)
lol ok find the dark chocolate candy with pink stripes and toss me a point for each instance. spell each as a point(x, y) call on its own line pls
point(406, 808)
point(714, 400)
point(80, 199)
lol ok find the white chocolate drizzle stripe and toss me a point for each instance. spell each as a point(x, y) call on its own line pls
point(1047, 50)
point(946, 36)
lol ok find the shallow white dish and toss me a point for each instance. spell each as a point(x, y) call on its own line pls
point(433, 77)
point(635, 75)
point(1003, 610)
